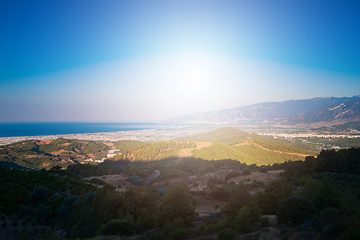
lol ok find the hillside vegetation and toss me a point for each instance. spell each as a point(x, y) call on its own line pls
point(126, 145)
point(34, 154)
point(223, 143)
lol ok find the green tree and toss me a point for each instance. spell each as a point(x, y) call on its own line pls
point(177, 203)
point(294, 210)
point(274, 191)
point(238, 199)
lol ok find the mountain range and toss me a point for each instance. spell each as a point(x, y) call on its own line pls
point(336, 114)
point(281, 113)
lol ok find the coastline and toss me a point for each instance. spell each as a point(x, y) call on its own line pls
point(146, 135)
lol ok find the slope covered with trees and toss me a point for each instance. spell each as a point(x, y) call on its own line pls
point(34, 154)
point(316, 198)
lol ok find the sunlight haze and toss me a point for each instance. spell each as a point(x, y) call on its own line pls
point(124, 61)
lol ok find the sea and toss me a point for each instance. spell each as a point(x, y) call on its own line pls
point(59, 128)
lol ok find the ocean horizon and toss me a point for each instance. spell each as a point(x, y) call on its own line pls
point(22, 129)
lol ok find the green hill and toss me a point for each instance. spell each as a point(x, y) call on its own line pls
point(223, 143)
point(126, 145)
point(155, 151)
point(34, 154)
point(226, 135)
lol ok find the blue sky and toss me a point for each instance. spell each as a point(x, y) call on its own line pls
point(116, 61)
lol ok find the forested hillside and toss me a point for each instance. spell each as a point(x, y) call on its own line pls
point(316, 199)
point(34, 154)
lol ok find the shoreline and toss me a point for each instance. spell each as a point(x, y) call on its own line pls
point(145, 135)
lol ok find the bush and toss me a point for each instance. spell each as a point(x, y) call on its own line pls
point(245, 218)
point(26, 210)
point(265, 222)
point(176, 229)
point(135, 180)
point(14, 223)
point(294, 210)
point(179, 234)
point(329, 214)
point(39, 194)
point(117, 227)
point(97, 181)
point(215, 227)
point(232, 174)
point(4, 224)
point(350, 234)
point(220, 193)
point(227, 234)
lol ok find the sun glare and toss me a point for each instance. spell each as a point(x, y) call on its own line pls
point(193, 71)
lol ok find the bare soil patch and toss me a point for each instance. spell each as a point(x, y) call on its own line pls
point(114, 180)
point(63, 144)
point(58, 152)
point(109, 144)
point(43, 142)
point(186, 152)
point(258, 176)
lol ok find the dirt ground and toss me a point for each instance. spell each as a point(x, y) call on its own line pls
point(115, 180)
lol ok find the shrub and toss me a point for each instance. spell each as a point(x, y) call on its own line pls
point(179, 234)
point(4, 224)
point(117, 227)
point(215, 227)
point(14, 223)
point(202, 228)
point(39, 194)
point(97, 181)
point(161, 191)
point(26, 210)
point(329, 214)
point(220, 193)
point(294, 210)
point(232, 174)
point(43, 212)
point(227, 234)
point(156, 236)
point(135, 180)
point(176, 229)
point(265, 222)
point(245, 218)
point(350, 234)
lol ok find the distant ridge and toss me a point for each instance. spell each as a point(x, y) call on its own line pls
point(268, 112)
point(336, 114)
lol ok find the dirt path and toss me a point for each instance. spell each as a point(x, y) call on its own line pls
point(270, 150)
point(296, 154)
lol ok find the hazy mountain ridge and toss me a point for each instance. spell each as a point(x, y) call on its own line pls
point(335, 114)
point(268, 112)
